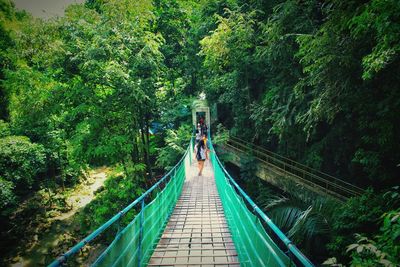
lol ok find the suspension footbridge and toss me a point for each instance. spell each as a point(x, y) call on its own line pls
point(195, 221)
point(189, 220)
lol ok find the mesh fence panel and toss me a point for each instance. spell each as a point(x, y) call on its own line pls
point(134, 245)
point(147, 226)
point(254, 246)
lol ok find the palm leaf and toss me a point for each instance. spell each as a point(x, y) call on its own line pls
point(301, 219)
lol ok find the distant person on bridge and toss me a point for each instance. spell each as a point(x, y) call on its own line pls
point(198, 137)
point(206, 143)
point(204, 129)
point(201, 120)
point(201, 154)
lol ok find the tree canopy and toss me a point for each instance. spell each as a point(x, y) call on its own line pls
point(315, 81)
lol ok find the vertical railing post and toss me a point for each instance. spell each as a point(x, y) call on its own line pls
point(141, 233)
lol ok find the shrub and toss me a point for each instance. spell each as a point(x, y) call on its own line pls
point(176, 144)
point(7, 196)
point(384, 249)
point(119, 191)
point(4, 129)
point(20, 161)
point(222, 135)
point(359, 215)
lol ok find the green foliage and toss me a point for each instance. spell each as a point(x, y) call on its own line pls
point(113, 81)
point(389, 238)
point(118, 193)
point(248, 168)
point(228, 60)
point(7, 196)
point(83, 86)
point(315, 82)
point(304, 220)
point(333, 101)
point(173, 105)
point(384, 249)
point(221, 136)
point(380, 19)
point(311, 78)
point(22, 165)
point(4, 129)
point(29, 111)
point(7, 16)
point(175, 147)
point(359, 215)
point(172, 23)
point(21, 161)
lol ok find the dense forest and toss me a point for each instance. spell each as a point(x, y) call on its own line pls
point(315, 81)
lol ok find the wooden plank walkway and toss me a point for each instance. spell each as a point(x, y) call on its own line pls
point(197, 233)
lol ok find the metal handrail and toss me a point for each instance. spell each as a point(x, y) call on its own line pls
point(332, 188)
point(293, 161)
point(303, 169)
point(286, 241)
point(305, 182)
point(63, 258)
point(326, 182)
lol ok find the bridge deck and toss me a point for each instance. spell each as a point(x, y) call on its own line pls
point(197, 233)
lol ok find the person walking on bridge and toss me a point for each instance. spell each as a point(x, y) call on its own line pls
point(201, 150)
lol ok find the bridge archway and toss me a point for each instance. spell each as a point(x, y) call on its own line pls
point(200, 109)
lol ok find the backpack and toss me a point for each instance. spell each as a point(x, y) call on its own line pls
point(200, 154)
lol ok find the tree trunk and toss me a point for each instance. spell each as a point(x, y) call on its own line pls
point(146, 159)
point(148, 146)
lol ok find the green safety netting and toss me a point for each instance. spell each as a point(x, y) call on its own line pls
point(254, 246)
point(134, 245)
